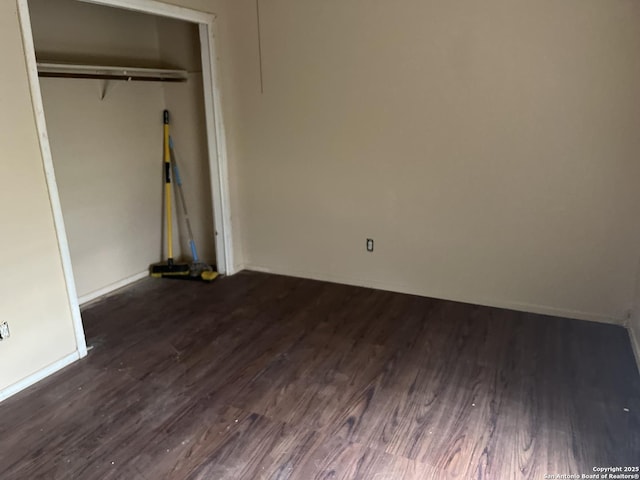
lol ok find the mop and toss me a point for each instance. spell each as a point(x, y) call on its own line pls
point(198, 269)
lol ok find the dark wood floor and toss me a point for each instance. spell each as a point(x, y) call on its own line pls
point(267, 377)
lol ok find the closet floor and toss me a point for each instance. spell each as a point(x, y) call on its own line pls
point(259, 376)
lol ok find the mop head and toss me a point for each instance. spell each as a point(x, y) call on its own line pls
point(209, 276)
point(204, 272)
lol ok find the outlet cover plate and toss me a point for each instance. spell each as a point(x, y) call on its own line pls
point(4, 331)
point(369, 244)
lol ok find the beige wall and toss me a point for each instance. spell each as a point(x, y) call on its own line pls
point(107, 156)
point(490, 148)
point(33, 296)
point(71, 31)
point(107, 153)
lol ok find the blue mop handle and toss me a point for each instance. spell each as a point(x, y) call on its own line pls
point(194, 252)
point(178, 180)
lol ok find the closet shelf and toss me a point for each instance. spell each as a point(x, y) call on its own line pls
point(65, 70)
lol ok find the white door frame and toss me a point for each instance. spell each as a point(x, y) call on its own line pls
point(215, 138)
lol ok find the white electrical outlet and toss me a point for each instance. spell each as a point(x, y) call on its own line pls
point(369, 244)
point(4, 331)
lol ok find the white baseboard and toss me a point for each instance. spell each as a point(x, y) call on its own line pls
point(112, 288)
point(39, 375)
point(521, 307)
point(238, 267)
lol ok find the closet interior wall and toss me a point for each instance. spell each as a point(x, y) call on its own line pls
point(180, 48)
point(107, 153)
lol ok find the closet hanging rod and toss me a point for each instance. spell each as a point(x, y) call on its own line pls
point(65, 70)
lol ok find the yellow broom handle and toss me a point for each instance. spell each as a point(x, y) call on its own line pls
point(167, 188)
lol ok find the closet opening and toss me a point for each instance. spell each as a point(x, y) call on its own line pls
point(101, 74)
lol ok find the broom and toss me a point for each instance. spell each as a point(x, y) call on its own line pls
point(168, 269)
